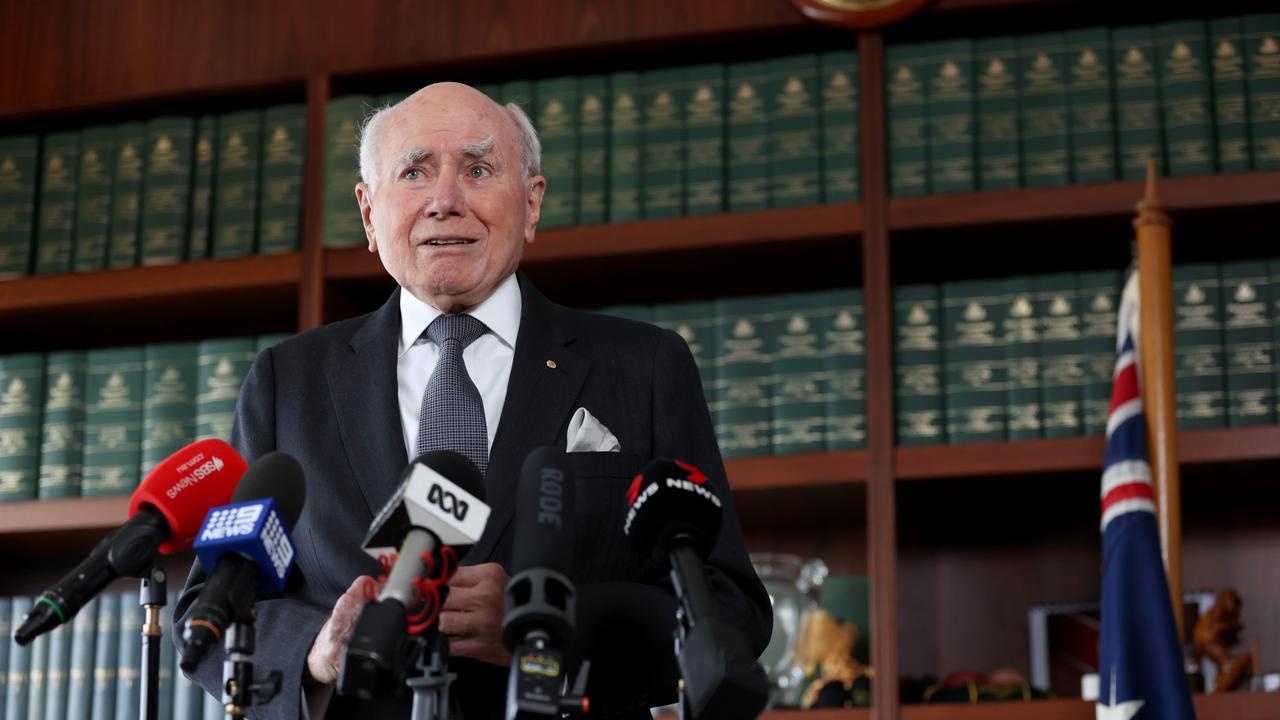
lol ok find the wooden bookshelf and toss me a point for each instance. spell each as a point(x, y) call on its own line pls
point(1228, 706)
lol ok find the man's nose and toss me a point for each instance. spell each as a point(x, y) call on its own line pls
point(448, 198)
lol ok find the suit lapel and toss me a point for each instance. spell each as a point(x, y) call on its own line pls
point(366, 404)
point(538, 404)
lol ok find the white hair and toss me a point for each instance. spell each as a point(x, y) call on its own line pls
point(371, 128)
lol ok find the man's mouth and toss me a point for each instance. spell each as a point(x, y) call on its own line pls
point(449, 241)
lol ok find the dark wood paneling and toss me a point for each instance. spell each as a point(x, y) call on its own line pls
point(124, 48)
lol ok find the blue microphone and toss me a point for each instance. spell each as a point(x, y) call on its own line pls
point(246, 549)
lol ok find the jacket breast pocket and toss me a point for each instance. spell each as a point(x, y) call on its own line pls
point(600, 551)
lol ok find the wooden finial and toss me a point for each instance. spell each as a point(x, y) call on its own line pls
point(1151, 209)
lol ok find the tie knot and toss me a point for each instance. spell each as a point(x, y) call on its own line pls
point(463, 328)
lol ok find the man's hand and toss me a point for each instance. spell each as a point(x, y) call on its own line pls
point(472, 615)
point(325, 657)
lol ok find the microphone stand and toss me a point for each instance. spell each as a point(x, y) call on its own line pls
point(431, 687)
point(151, 597)
point(239, 690)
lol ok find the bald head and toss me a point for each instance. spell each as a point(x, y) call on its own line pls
point(454, 97)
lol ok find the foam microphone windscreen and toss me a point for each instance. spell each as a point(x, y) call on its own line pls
point(278, 476)
point(670, 498)
point(185, 485)
point(544, 513)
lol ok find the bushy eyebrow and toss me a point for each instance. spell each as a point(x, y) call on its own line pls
point(480, 149)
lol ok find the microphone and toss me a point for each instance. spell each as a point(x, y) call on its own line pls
point(164, 515)
point(247, 545)
point(672, 519)
point(440, 502)
point(540, 598)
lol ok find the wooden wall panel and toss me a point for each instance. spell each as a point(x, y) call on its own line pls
point(66, 52)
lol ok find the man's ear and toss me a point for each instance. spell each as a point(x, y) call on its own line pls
point(537, 188)
point(364, 197)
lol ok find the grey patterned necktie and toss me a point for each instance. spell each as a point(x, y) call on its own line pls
point(452, 414)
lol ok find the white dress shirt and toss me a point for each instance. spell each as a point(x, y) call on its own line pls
point(488, 359)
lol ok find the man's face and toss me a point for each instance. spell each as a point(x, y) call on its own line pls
point(452, 204)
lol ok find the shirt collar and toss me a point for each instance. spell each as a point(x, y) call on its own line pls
point(500, 312)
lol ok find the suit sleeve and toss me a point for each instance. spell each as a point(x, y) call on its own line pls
point(285, 627)
point(625, 628)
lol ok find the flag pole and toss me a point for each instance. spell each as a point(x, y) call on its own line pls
point(1158, 379)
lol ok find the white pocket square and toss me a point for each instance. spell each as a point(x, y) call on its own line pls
point(587, 434)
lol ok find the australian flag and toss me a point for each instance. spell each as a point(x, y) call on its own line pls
point(1140, 663)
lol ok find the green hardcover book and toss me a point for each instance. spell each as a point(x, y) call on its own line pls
point(905, 68)
point(342, 121)
point(1262, 77)
point(93, 201)
point(113, 422)
point(1099, 303)
point(556, 118)
point(1273, 277)
point(126, 195)
point(973, 355)
point(704, 119)
point(747, 129)
point(16, 699)
point(799, 371)
point(1198, 346)
point(21, 381)
point(222, 366)
point(795, 132)
point(1091, 105)
point(1138, 128)
point(695, 322)
point(263, 342)
point(1061, 361)
point(129, 664)
point(744, 383)
point(55, 229)
point(662, 146)
point(235, 184)
point(846, 353)
point(37, 682)
point(1246, 295)
point(169, 401)
point(106, 656)
point(1186, 96)
point(202, 188)
point(625, 125)
point(520, 92)
point(1042, 91)
point(56, 675)
point(284, 144)
point(18, 172)
point(6, 611)
point(62, 431)
point(838, 80)
point(493, 90)
point(84, 631)
point(166, 189)
point(1231, 122)
point(593, 149)
point(392, 99)
point(917, 365)
point(995, 65)
point(951, 111)
point(1022, 324)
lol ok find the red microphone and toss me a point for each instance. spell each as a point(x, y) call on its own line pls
point(165, 514)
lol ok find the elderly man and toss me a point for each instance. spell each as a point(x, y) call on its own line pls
point(451, 193)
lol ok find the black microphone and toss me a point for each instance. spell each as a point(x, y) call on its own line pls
point(538, 626)
point(672, 520)
point(247, 545)
point(164, 514)
point(440, 503)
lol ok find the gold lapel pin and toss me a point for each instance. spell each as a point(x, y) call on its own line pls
point(551, 364)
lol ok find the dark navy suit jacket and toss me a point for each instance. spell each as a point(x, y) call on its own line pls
point(328, 397)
